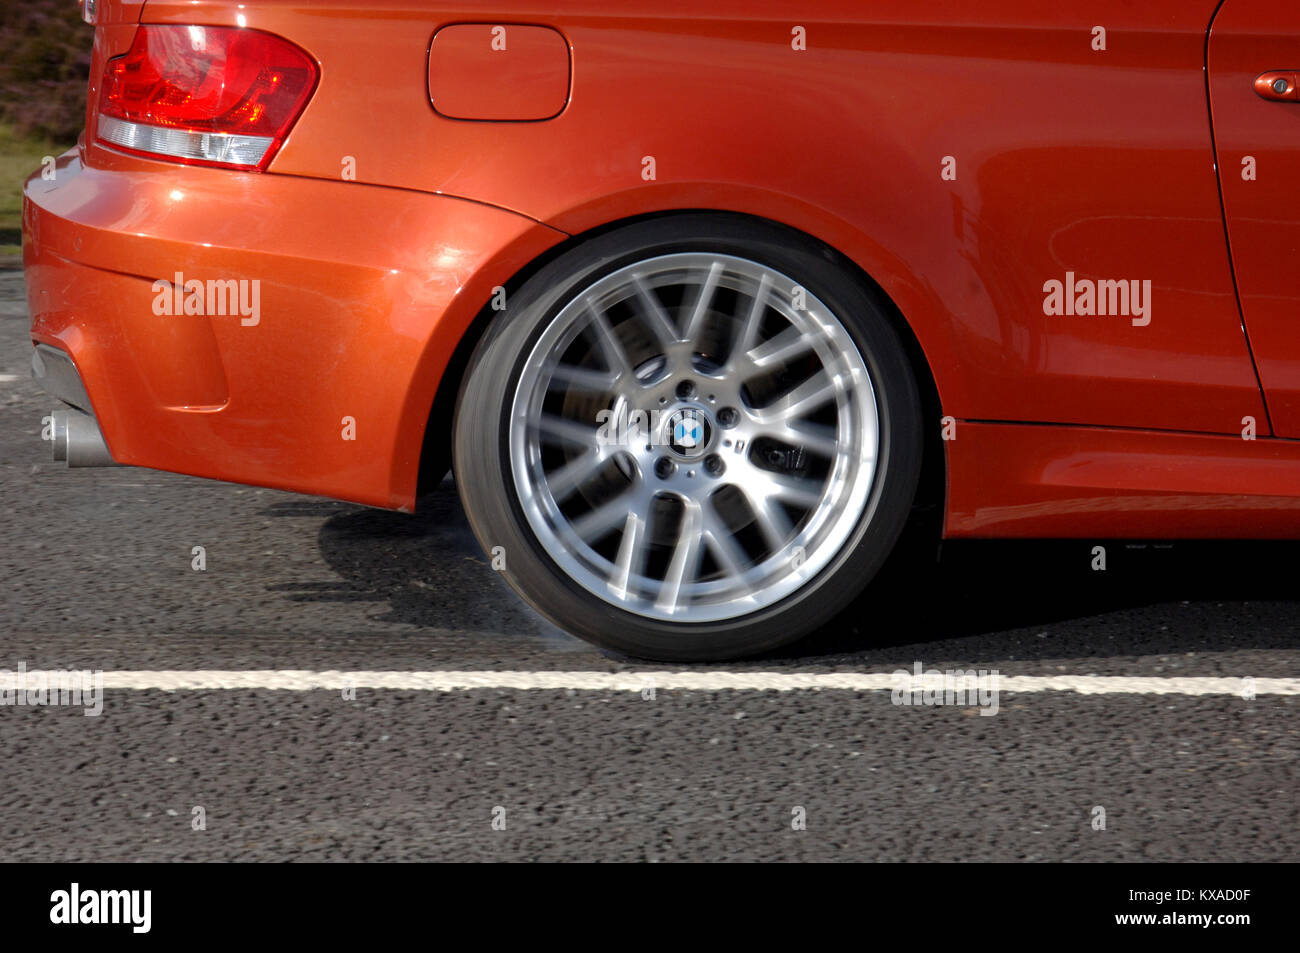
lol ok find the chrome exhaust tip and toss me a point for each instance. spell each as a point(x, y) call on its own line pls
point(77, 440)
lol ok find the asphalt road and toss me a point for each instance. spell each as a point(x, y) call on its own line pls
point(95, 573)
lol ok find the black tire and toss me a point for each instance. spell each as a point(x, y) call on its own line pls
point(481, 453)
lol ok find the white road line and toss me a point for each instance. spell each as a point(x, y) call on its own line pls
point(705, 681)
point(8, 378)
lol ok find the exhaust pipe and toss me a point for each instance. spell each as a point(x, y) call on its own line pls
point(78, 441)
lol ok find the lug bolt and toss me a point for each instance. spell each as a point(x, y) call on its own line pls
point(685, 390)
point(728, 417)
point(713, 463)
point(664, 468)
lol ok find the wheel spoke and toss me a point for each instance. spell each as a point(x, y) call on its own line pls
point(771, 519)
point(786, 346)
point(722, 543)
point(561, 431)
point(818, 438)
point(632, 551)
point(749, 330)
point(808, 396)
point(685, 563)
point(591, 526)
point(801, 491)
point(611, 348)
point(702, 302)
point(656, 318)
point(566, 479)
point(584, 379)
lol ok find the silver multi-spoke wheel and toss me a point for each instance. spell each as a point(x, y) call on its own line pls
point(693, 437)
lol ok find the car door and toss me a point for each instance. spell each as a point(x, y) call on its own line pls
point(1254, 68)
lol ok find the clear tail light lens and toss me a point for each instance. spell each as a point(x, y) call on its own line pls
point(220, 96)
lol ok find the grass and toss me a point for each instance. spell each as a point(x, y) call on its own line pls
point(19, 158)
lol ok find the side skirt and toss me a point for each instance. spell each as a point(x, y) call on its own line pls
point(1041, 480)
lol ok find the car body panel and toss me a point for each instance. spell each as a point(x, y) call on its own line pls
point(845, 141)
point(962, 158)
point(1258, 143)
point(1010, 480)
point(361, 303)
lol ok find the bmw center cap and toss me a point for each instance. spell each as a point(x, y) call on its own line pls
point(689, 432)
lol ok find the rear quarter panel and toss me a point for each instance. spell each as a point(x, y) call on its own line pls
point(1068, 158)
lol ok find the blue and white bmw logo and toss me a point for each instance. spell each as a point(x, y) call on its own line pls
point(688, 431)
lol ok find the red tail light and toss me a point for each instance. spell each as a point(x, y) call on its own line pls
point(221, 96)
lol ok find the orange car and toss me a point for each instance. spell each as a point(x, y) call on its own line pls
point(701, 305)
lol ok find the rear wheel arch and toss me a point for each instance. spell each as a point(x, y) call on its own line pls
point(435, 455)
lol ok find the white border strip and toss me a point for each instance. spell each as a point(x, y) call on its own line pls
point(708, 681)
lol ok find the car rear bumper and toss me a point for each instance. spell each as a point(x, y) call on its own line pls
point(311, 312)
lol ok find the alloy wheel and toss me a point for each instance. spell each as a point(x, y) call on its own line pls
point(693, 437)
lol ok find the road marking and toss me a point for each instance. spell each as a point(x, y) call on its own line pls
point(704, 681)
point(8, 378)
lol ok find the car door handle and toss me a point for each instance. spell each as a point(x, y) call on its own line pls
point(1278, 85)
